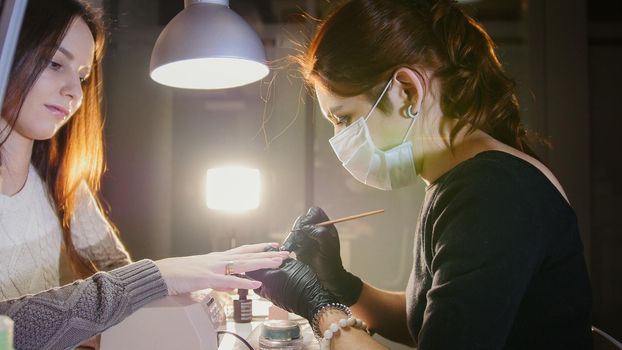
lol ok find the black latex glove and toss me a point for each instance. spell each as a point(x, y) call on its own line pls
point(318, 247)
point(293, 287)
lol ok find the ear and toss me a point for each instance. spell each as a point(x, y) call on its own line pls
point(412, 85)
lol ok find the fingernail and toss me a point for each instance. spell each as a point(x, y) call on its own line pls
point(277, 259)
point(256, 284)
point(274, 244)
point(284, 253)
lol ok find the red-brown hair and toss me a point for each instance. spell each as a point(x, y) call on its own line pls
point(76, 152)
point(362, 42)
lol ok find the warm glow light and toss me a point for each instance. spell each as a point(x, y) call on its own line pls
point(233, 189)
point(209, 73)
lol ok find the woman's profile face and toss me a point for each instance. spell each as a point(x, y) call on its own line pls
point(387, 130)
point(57, 93)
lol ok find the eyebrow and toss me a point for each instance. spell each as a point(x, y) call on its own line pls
point(72, 57)
point(66, 52)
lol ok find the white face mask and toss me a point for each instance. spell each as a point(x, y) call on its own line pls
point(370, 165)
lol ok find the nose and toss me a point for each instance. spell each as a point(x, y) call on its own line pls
point(72, 89)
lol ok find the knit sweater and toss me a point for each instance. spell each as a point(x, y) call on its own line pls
point(62, 318)
point(30, 243)
point(31, 238)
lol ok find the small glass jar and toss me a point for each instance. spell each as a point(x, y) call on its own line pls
point(281, 335)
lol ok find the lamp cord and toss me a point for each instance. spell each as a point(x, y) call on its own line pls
point(608, 337)
point(237, 336)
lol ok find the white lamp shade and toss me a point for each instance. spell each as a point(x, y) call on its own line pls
point(234, 189)
point(208, 46)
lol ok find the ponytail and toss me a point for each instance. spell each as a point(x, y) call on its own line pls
point(475, 89)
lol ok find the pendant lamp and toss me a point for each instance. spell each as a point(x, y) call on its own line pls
point(207, 46)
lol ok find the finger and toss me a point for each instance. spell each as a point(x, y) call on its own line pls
point(229, 267)
point(317, 214)
point(318, 233)
point(257, 274)
point(298, 222)
point(304, 242)
point(262, 255)
point(305, 220)
point(314, 216)
point(232, 282)
point(251, 248)
point(256, 264)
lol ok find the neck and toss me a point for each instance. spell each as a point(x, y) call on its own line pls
point(437, 158)
point(15, 155)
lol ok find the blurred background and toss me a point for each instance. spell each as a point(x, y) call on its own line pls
point(564, 54)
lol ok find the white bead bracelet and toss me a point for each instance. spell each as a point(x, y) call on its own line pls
point(336, 327)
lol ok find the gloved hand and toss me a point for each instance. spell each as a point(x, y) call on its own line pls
point(318, 247)
point(293, 287)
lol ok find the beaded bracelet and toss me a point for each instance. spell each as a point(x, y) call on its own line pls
point(316, 318)
point(336, 327)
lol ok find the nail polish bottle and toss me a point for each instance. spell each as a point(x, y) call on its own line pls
point(242, 307)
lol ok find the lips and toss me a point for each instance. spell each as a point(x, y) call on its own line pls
point(58, 111)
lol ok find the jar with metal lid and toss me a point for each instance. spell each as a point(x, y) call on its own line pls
point(281, 335)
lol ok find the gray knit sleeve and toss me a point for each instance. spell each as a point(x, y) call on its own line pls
point(62, 318)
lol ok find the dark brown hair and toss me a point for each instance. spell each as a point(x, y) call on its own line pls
point(75, 153)
point(361, 43)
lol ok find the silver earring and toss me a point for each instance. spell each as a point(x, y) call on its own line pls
point(410, 113)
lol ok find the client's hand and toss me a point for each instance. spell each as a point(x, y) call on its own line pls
point(190, 273)
point(318, 247)
point(293, 287)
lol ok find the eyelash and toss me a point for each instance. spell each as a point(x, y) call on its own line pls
point(340, 120)
point(57, 66)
